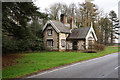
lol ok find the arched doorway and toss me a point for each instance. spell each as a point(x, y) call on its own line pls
point(75, 45)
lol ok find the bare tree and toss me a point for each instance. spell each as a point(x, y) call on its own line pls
point(56, 9)
point(53, 11)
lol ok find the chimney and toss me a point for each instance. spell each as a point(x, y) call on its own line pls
point(71, 23)
point(63, 18)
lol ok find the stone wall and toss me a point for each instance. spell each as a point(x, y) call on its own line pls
point(54, 36)
point(69, 45)
point(62, 36)
point(80, 44)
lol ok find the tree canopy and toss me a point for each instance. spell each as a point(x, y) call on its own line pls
point(17, 36)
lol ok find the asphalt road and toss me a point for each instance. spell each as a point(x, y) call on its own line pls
point(103, 67)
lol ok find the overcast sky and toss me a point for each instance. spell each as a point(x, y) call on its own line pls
point(105, 5)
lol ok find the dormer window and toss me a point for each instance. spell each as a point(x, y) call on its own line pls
point(49, 32)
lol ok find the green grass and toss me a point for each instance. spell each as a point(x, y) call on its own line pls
point(33, 62)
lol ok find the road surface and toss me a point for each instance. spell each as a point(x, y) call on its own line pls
point(103, 67)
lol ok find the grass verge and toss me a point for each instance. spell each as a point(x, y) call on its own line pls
point(33, 62)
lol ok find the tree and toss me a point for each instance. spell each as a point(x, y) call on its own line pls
point(53, 11)
point(105, 30)
point(100, 33)
point(14, 24)
point(88, 14)
point(38, 21)
point(56, 9)
point(72, 10)
point(15, 17)
point(114, 26)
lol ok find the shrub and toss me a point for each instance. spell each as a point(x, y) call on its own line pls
point(37, 45)
point(99, 47)
point(9, 45)
point(27, 43)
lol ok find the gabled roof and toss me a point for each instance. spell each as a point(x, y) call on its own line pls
point(79, 33)
point(92, 30)
point(61, 27)
point(58, 26)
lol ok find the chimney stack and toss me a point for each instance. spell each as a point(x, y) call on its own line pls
point(63, 18)
point(71, 23)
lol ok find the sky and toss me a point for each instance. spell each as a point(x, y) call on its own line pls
point(105, 5)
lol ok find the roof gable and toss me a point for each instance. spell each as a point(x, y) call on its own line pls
point(94, 35)
point(58, 26)
point(49, 22)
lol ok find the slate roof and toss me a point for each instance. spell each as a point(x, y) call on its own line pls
point(80, 33)
point(61, 27)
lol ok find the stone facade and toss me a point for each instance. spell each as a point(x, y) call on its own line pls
point(68, 44)
point(81, 45)
point(62, 36)
point(57, 37)
point(54, 36)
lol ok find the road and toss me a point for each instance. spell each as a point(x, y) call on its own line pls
point(103, 67)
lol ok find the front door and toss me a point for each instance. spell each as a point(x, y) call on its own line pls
point(75, 45)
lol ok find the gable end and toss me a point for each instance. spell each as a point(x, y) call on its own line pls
point(52, 25)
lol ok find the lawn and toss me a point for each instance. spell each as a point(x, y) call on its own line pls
point(34, 62)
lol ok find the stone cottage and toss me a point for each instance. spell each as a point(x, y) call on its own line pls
point(61, 36)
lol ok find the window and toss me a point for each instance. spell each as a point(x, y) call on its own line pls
point(63, 42)
point(50, 42)
point(91, 44)
point(49, 32)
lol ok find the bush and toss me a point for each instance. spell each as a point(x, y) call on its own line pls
point(38, 45)
point(9, 45)
point(20, 45)
point(99, 47)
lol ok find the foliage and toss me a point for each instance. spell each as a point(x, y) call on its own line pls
point(29, 42)
point(37, 22)
point(99, 47)
point(114, 26)
point(89, 14)
point(34, 62)
point(8, 45)
point(15, 20)
point(16, 15)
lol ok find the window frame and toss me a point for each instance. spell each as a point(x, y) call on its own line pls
point(63, 44)
point(48, 31)
point(50, 43)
